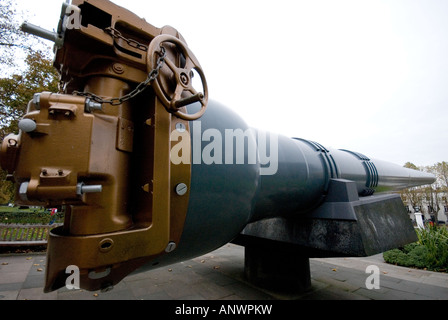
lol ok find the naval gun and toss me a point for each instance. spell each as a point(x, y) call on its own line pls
point(150, 171)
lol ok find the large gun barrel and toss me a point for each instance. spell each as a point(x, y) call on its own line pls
point(150, 171)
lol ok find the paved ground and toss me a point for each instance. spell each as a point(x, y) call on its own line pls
point(218, 276)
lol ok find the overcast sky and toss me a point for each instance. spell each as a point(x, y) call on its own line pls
point(366, 75)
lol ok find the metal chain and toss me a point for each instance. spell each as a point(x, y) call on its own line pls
point(131, 42)
point(153, 74)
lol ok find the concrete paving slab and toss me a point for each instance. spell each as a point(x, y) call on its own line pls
point(219, 276)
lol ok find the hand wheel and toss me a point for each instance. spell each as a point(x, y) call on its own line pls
point(180, 77)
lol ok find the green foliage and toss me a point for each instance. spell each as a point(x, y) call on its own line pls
point(18, 89)
point(410, 165)
point(430, 252)
point(435, 240)
point(16, 215)
point(411, 255)
point(6, 189)
point(15, 93)
point(19, 84)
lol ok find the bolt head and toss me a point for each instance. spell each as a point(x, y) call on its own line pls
point(180, 127)
point(27, 125)
point(184, 78)
point(23, 190)
point(181, 189)
point(170, 247)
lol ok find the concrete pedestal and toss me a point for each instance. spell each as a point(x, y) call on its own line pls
point(275, 268)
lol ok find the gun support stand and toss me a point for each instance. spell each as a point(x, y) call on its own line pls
point(277, 266)
point(277, 249)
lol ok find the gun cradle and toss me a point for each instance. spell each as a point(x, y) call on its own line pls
point(106, 164)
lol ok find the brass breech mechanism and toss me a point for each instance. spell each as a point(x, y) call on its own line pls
point(100, 148)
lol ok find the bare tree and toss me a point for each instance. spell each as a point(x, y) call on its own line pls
point(440, 170)
point(11, 37)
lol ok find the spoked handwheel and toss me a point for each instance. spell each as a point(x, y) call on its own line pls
point(174, 87)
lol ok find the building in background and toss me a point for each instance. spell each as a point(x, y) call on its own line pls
point(432, 202)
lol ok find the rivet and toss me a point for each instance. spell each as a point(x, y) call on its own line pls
point(118, 68)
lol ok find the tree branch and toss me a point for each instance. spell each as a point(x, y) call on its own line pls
point(10, 45)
